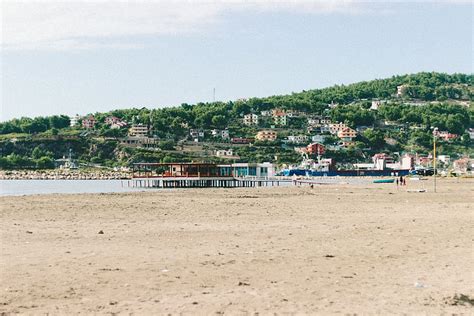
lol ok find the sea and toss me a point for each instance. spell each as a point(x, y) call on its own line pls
point(29, 187)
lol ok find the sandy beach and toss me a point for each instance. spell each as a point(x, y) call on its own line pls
point(333, 249)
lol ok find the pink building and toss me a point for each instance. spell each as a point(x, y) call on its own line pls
point(89, 122)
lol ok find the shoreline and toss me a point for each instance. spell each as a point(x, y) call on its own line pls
point(64, 175)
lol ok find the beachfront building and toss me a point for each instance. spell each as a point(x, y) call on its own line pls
point(251, 119)
point(266, 135)
point(245, 169)
point(89, 122)
point(223, 134)
point(464, 165)
point(203, 170)
point(279, 117)
point(138, 130)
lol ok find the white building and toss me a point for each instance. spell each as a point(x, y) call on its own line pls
point(471, 133)
point(251, 119)
point(74, 120)
point(224, 133)
point(297, 139)
point(223, 153)
point(138, 130)
point(259, 170)
point(196, 134)
point(318, 139)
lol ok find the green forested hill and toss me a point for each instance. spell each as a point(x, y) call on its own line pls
point(426, 100)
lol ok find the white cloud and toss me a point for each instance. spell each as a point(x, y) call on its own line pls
point(72, 25)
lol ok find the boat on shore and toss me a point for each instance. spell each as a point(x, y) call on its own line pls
point(384, 181)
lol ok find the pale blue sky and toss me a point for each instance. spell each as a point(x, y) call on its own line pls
point(67, 60)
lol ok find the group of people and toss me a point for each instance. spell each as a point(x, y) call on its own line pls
point(401, 181)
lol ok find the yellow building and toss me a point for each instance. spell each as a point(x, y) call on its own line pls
point(269, 136)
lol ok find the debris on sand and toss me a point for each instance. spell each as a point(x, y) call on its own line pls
point(243, 284)
point(460, 299)
point(329, 256)
point(101, 232)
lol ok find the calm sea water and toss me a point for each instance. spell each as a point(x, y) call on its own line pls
point(28, 187)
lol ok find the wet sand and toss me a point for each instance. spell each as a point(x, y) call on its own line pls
point(365, 249)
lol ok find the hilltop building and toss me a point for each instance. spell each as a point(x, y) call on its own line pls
point(115, 122)
point(89, 122)
point(74, 120)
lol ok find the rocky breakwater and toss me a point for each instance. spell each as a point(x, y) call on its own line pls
point(64, 175)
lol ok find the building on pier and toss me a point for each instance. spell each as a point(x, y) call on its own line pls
point(202, 170)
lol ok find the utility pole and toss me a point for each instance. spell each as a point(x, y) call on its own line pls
point(434, 157)
point(214, 95)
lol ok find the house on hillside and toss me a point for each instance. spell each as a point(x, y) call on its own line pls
point(196, 134)
point(241, 140)
point(138, 130)
point(89, 122)
point(315, 149)
point(140, 142)
point(336, 127)
point(266, 135)
point(250, 119)
point(220, 133)
point(74, 120)
point(279, 117)
point(445, 135)
point(318, 138)
point(297, 139)
point(226, 154)
point(115, 122)
point(347, 135)
point(401, 90)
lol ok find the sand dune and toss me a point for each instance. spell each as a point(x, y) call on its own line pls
point(327, 250)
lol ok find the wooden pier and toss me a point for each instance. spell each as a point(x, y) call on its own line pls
point(202, 182)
